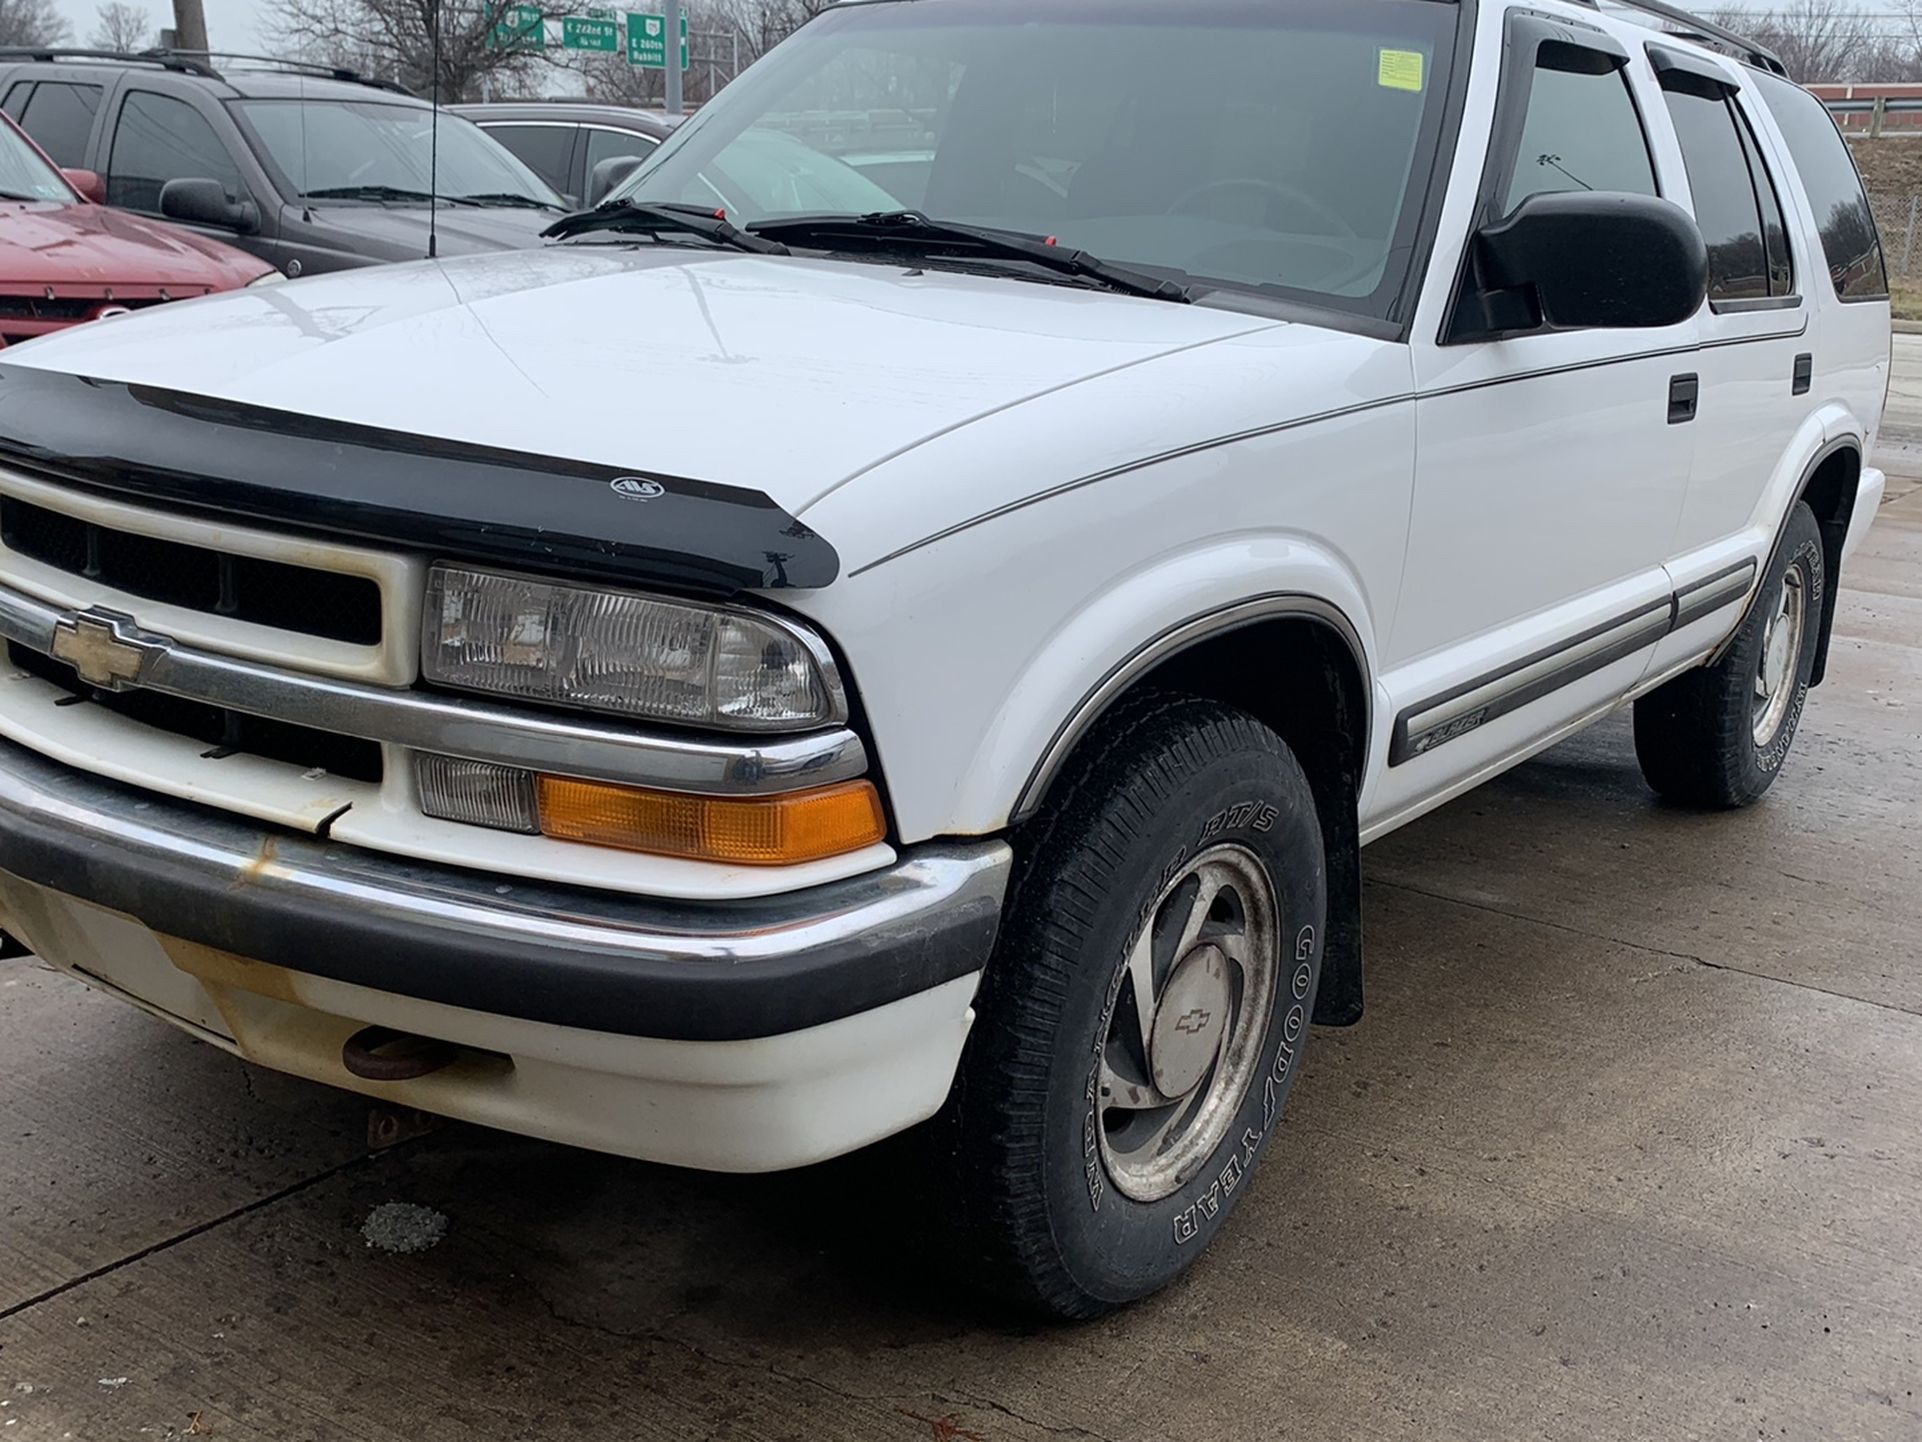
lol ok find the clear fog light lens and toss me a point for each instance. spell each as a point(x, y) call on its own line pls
point(615, 651)
point(478, 793)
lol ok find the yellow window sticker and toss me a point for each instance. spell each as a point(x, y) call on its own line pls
point(1400, 70)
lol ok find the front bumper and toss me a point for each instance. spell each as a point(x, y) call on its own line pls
point(742, 1035)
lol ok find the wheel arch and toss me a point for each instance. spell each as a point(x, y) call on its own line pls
point(1829, 486)
point(1298, 664)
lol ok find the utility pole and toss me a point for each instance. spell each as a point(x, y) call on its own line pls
point(673, 53)
point(190, 26)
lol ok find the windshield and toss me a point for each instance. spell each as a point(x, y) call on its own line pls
point(24, 175)
point(339, 146)
point(1245, 143)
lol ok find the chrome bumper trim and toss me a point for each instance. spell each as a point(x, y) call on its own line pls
point(423, 721)
point(596, 960)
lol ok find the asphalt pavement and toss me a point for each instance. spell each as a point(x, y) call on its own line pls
point(1628, 1146)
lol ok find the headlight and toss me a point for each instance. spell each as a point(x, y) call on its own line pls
point(617, 651)
point(272, 277)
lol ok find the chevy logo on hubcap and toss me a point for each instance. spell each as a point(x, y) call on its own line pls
point(106, 649)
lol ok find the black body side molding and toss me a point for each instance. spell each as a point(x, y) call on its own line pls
point(364, 483)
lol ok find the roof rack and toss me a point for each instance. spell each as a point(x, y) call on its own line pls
point(165, 59)
point(1706, 31)
point(319, 70)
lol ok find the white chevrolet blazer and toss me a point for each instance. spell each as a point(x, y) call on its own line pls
point(908, 612)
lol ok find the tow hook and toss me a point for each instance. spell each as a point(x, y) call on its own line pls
point(379, 1053)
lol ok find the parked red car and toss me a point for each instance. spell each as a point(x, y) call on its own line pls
point(66, 258)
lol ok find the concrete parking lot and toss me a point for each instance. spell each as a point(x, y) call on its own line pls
point(1629, 1145)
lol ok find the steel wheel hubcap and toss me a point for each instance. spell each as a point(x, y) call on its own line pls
point(1776, 672)
point(1189, 1019)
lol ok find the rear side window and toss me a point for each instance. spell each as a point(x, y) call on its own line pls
point(1581, 133)
point(609, 144)
point(161, 139)
point(16, 100)
point(1735, 203)
point(1849, 242)
point(60, 117)
point(543, 149)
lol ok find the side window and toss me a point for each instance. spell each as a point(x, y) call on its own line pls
point(1850, 244)
point(543, 149)
point(16, 100)
point(606, 144)
point(60, 117)
point(1581, 132)
point(1735, 203)
point(161, 139)
point(1774, 230)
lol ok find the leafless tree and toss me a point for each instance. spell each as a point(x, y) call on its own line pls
point(394, 39)
point(31, 22)
point(1817, 40)
point(120, 26)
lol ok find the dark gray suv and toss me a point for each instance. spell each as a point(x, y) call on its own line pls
point(309, 168)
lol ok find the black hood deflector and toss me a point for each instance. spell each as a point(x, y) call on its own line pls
point(414, 492)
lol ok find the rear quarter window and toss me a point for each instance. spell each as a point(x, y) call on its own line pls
point(1850, 244)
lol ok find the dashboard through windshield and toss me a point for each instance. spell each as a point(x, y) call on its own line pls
point(1239, 143)
point(336, 147)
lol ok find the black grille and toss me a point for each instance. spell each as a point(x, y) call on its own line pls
point(269, 593)
point(221, 730)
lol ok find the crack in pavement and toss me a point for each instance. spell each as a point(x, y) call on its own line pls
point(988, 1404)
point(197, 1229)
point(1643, 946)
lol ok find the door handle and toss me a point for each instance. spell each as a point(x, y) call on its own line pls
point(1803, 376)
point(1682, 393)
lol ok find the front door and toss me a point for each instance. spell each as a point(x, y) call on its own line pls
point(1552, 466)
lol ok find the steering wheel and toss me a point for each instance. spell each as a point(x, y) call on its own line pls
point(1319, 209)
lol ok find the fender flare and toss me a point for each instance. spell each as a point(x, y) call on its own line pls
point(1183, 636)
point(1833, 535)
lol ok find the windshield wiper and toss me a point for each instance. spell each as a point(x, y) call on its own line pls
point(507, 197)
point(688, 219)
point(912, 228)
point(380, 192)
point(17, 195)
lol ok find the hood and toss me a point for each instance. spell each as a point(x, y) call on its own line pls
point(59, 244)
point(394, 232)
point(780, 375)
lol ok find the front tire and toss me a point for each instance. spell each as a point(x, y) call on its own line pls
point(1717, 737)
point(1143, 1018)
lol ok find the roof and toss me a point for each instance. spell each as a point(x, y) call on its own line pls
point(573, 112)
point(245, 76)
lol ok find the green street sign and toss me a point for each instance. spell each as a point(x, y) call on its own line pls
point(647, 41)
point(579, 34)
point(520, 28)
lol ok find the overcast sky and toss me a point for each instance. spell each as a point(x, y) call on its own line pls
point(230, 23)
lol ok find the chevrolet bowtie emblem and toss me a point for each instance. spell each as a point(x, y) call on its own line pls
point(106, 649)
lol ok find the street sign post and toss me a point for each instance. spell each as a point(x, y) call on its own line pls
point(647, 41)
point(590, 34)
point(521, 27)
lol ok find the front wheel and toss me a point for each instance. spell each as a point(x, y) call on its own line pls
point(1143, 1018)
point(1717, 737)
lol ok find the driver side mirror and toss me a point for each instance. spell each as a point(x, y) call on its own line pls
point(200, 201)
point(1583, 260)
point(608, 174)
point(88, 183)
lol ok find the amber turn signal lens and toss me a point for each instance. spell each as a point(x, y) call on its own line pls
point(747, 831)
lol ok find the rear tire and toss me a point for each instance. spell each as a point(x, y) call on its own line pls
point(1717, 737)
point(1183, 855)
